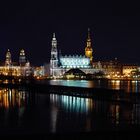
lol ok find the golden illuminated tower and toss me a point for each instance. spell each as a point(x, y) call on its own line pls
point(8, 60)
point(88, 49)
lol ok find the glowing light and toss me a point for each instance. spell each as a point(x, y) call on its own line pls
point(75, 62)
point(81, 105)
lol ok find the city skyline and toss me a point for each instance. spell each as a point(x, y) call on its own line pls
point(69, 69)
point(29, 25)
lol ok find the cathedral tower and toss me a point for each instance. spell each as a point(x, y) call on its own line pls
point(22, 58)
point(54, 56)
point(88, 49)
point(8, 60)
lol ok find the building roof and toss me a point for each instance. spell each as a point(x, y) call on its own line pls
point(75, 72)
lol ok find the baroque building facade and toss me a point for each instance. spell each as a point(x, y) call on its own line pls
point(60, 64)
point(21, 68)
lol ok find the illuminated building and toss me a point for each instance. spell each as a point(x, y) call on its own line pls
point(128, 69)
point(8, 60)
point(54, 56)
point(22, 58)
point(60, 64)
point(88, 49)
point(112, 67)
point(74, 61)
point(15, 69)
point(39, 72)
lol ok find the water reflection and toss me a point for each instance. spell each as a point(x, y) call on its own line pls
point(114, 84)
point(75, 83)
point(135, 86)
point(54, 113)
point(12, 107)
point(35, 112)
point(92, 114)
point(127, 85)
point(72, 104)
point(115, 114)
point(11, 98)
point(70, 113)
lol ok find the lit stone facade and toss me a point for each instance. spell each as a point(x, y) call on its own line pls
point(74, 61)
point(15, 69)
point(8, 59)
point(39, 71)
point(128, 69)
point(22, 58)
point(59, 65)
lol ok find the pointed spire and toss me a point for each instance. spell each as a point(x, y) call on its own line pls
point(8, 58)
point(88, 33)
point(88, 48)
point(54, 38)
point(53, 35)
point(8, 52)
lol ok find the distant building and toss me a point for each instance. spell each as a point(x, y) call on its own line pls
point(111, 67)
point(8, 60)
point(60, 64)
point(39, 71)
point(10, 68)
point(22, 58)
point(128, 69)
point(74, 61)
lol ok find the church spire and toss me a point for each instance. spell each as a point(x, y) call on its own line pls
point(8, 60)
point(54, 38)
point(88, 48)
point(22, 57)
point(54, 41)
point(53, 35)
point(89, 34)
point(54, 56)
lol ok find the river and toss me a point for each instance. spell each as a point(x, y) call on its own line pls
point(30, 112)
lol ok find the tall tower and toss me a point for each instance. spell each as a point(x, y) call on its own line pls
point(88, 49)
point(54, 56)
point(22, 58)
point(8, 60)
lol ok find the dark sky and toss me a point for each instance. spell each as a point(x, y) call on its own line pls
point(115, 28)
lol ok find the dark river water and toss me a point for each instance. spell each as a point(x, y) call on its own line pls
point(127, 85)
point(28, 111)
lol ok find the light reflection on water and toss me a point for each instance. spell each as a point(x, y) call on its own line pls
point(12, 107)
point(75, 83)
point(11, 97)
point(127, 85)
point(22, 108)
point(94, 114)
point(72, 104)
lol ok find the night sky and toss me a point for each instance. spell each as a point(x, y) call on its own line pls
point(115, 29)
